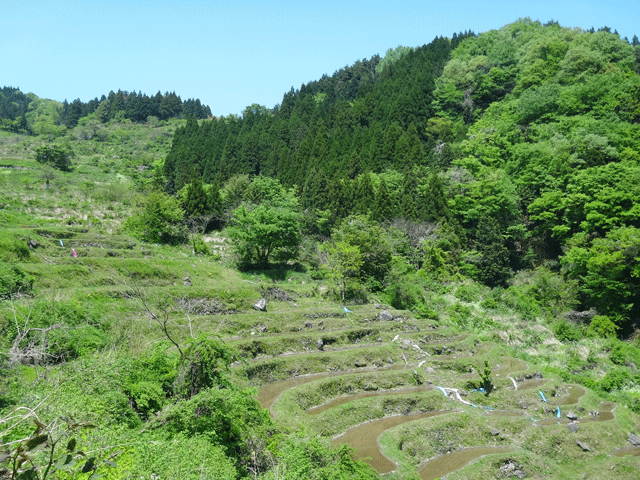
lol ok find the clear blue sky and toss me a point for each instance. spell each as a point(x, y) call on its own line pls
point(230, 55)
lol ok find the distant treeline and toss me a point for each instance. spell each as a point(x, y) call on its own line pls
point(135, 106)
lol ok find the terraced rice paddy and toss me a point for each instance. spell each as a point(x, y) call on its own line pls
point(379, 387)
point(358, 378)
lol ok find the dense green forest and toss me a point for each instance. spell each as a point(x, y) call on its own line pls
point(425, 264)
point(531, 132)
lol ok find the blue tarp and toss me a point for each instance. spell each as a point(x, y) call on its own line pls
point(347, 310)
point(557, 412)
point(61, 244)
point(443, 391)
point(544, 399)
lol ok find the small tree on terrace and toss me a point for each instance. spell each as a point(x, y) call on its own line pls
point(343, 264)
point(55, 156)
point(267, 226)
point(262, 232)
point(160, 220)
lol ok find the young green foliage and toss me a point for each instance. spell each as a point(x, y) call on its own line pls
point(262, 233)
point(343, 264)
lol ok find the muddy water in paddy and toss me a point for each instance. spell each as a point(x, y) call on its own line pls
point(269, 394)
point(630, 451)
point(533, 383)
point(364, 438)
point(450, 462)
point(575, 392)
point(508, 366)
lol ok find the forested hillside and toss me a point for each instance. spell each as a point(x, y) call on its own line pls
point(531, 130)
point(424, 265)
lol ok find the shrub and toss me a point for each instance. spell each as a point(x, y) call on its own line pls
point(146, 397)
point(489, 303)
point(459, 314)
point(309, 458)
point(12, 249)
point(55, 331)
point(199, 246)
point(602, 326)
point(405, 291)
point(115, 405)
point(225, 416)
point(13, 280)
point(619, 353)
point(467, 293)
point(567, 332)
point(614, 380)
point(521, 301)
point(263, 233)
point(66, 344)
point(55, 156)
point(160, 220)
point(422, 311)
point(205, 365)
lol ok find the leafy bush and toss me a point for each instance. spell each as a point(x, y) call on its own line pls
point(117, 409)
point(262, 233)
point(309, 459)
point(53, 331)
point(602, 326)
point(55, 156)
point(146, 397)
point(157, 366)
point(67, 344)
point(12, 248)
point(614, 380)
point(489, 303)
point(459, 314)
point(228, 417)
point(205, 365)
point(483, 323)
point(619, 353)
point(522, 302)
point(159, 220)
point(13, 280)
point(468, 293)
point(405, 289)
point(199, 246)
point(180, 454)
point(422, 311)
point(567, 332)
point(374, 248)
point(149, 381)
